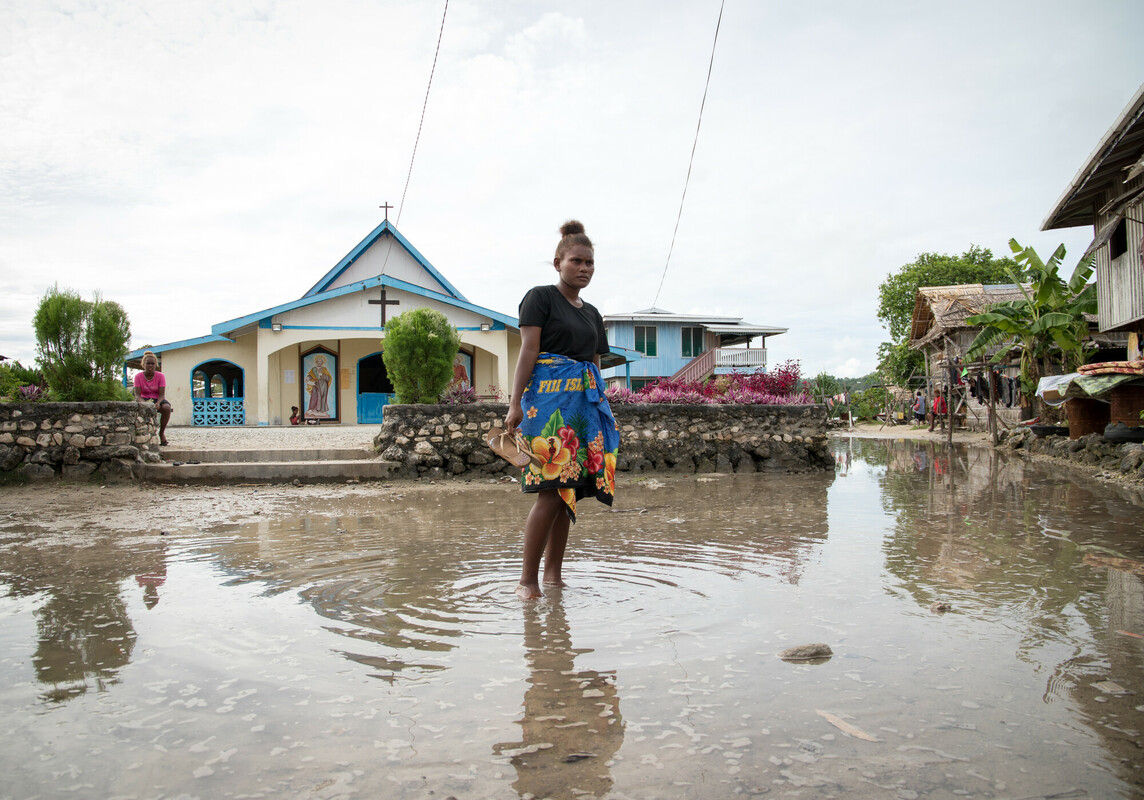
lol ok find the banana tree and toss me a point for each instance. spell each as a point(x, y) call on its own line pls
point(1048, 325)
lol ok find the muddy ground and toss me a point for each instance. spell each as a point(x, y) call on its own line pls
point(170, 507)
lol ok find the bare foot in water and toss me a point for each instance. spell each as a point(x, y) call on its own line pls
point(558, 583)
point(528, 592)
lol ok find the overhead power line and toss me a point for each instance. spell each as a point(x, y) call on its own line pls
point(424, 106)
point(694, 144)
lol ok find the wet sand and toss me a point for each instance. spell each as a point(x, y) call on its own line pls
point(875, 430)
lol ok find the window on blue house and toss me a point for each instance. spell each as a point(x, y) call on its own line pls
point(692, 342)
point(645, 340)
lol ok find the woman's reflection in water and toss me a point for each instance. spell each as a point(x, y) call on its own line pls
point(571, 726)
point(152, 576)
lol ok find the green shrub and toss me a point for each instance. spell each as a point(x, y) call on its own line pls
point(419, 349)
point(93, 391)
point(80, 345)
point(868, 403)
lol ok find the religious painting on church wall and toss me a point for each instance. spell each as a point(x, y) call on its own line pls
point(462, 369)
point(320, 385)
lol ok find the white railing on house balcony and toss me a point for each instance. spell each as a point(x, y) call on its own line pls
point(737, 358)
point(742, 358)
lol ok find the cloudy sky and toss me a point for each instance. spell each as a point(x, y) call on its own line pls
point(200, 160)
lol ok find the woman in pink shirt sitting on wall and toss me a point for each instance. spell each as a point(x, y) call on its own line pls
point(151, 385)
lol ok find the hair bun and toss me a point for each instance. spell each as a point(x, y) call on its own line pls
point(572, 227)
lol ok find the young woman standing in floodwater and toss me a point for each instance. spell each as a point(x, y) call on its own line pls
point(558, 402)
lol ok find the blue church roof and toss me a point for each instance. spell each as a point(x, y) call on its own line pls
point(384, 228)
point(311, 298)
point(321, 291)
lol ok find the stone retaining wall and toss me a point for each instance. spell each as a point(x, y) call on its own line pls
point(438, 440)
point(1123, 459)
point(76, 441)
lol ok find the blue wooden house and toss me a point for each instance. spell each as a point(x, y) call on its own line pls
point(684, 346)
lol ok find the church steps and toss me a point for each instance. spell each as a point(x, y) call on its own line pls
point(204, 456)
point(288, 471)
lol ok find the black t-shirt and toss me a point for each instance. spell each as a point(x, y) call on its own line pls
point(564, 329)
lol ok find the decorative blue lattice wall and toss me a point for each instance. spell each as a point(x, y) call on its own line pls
point(217, 411)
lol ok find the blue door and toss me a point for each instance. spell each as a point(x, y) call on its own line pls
point(370, 405)
point(375, 391)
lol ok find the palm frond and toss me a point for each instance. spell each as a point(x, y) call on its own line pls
point(1026, 256)
point(1056, 258)
point(983, 342)
point(1051, 322)
point(1081, 273)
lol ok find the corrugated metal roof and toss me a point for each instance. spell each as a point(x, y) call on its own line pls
point(756, 330)
point(660, 315)
point(1118, 151)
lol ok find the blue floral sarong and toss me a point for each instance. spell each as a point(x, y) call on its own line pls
point(569, 424)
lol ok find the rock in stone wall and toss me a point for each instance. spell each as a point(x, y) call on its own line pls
point(77, 441)
point(1125, 459)
point(437, 441)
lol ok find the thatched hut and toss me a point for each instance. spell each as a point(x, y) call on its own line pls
point(940, 331)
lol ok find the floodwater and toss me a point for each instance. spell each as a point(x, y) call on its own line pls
point(378, 651)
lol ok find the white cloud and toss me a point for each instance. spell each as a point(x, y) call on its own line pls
point(200, 160)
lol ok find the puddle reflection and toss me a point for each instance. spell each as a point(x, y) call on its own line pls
point(571, 726)
point(84, 633)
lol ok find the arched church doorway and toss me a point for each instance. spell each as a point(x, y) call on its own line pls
point(217, 394)
point(375, 390)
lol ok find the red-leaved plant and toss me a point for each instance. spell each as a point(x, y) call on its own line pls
point(781, 386)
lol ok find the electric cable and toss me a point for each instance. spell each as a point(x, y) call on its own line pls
point(694, 144)
point(424, 106)
point(417, 139)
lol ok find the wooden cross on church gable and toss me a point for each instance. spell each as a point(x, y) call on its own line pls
point(383, 302)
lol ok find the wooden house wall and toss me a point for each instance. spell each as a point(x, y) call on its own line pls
point(1120, 283)
point(941, 352)
point(669, 348)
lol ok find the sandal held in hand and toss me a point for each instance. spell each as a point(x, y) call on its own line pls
point(511, 447)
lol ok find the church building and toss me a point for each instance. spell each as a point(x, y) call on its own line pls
point(322, 352)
